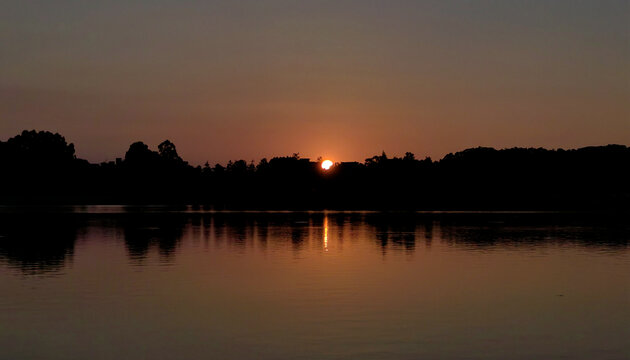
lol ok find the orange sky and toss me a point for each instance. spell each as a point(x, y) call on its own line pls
point(343, 80)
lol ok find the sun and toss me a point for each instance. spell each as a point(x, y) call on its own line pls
point(327, 164)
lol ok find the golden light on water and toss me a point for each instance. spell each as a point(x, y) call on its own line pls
point(327, 164)
point(325, 231)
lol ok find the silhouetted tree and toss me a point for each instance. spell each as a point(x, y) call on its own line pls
point(140, 154)
point(168, 151)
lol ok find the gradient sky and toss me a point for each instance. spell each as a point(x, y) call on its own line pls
point(341, 79)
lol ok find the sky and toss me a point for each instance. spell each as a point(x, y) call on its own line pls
point(342, 79)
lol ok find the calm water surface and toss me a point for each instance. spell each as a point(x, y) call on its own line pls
point(115, 283)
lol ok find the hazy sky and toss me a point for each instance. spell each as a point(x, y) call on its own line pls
point(340, 79)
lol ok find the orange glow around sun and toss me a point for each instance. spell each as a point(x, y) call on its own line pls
point(326, 164)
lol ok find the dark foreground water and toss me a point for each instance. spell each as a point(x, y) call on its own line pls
point(115, 283)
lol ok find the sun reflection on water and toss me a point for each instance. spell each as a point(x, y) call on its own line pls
point(325, 232)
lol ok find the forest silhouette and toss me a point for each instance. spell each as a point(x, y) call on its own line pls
point(40, 167)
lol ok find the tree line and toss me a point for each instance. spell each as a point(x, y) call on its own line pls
point(40, 167)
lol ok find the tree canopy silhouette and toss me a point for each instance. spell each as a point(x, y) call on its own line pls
point(41, 167)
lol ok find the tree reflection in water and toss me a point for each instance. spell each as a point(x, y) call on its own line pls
point(37, 244)
point(145, 231)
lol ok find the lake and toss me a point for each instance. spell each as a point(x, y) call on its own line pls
point(111, 282)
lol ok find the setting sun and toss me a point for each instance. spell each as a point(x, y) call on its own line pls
point(326, 164)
